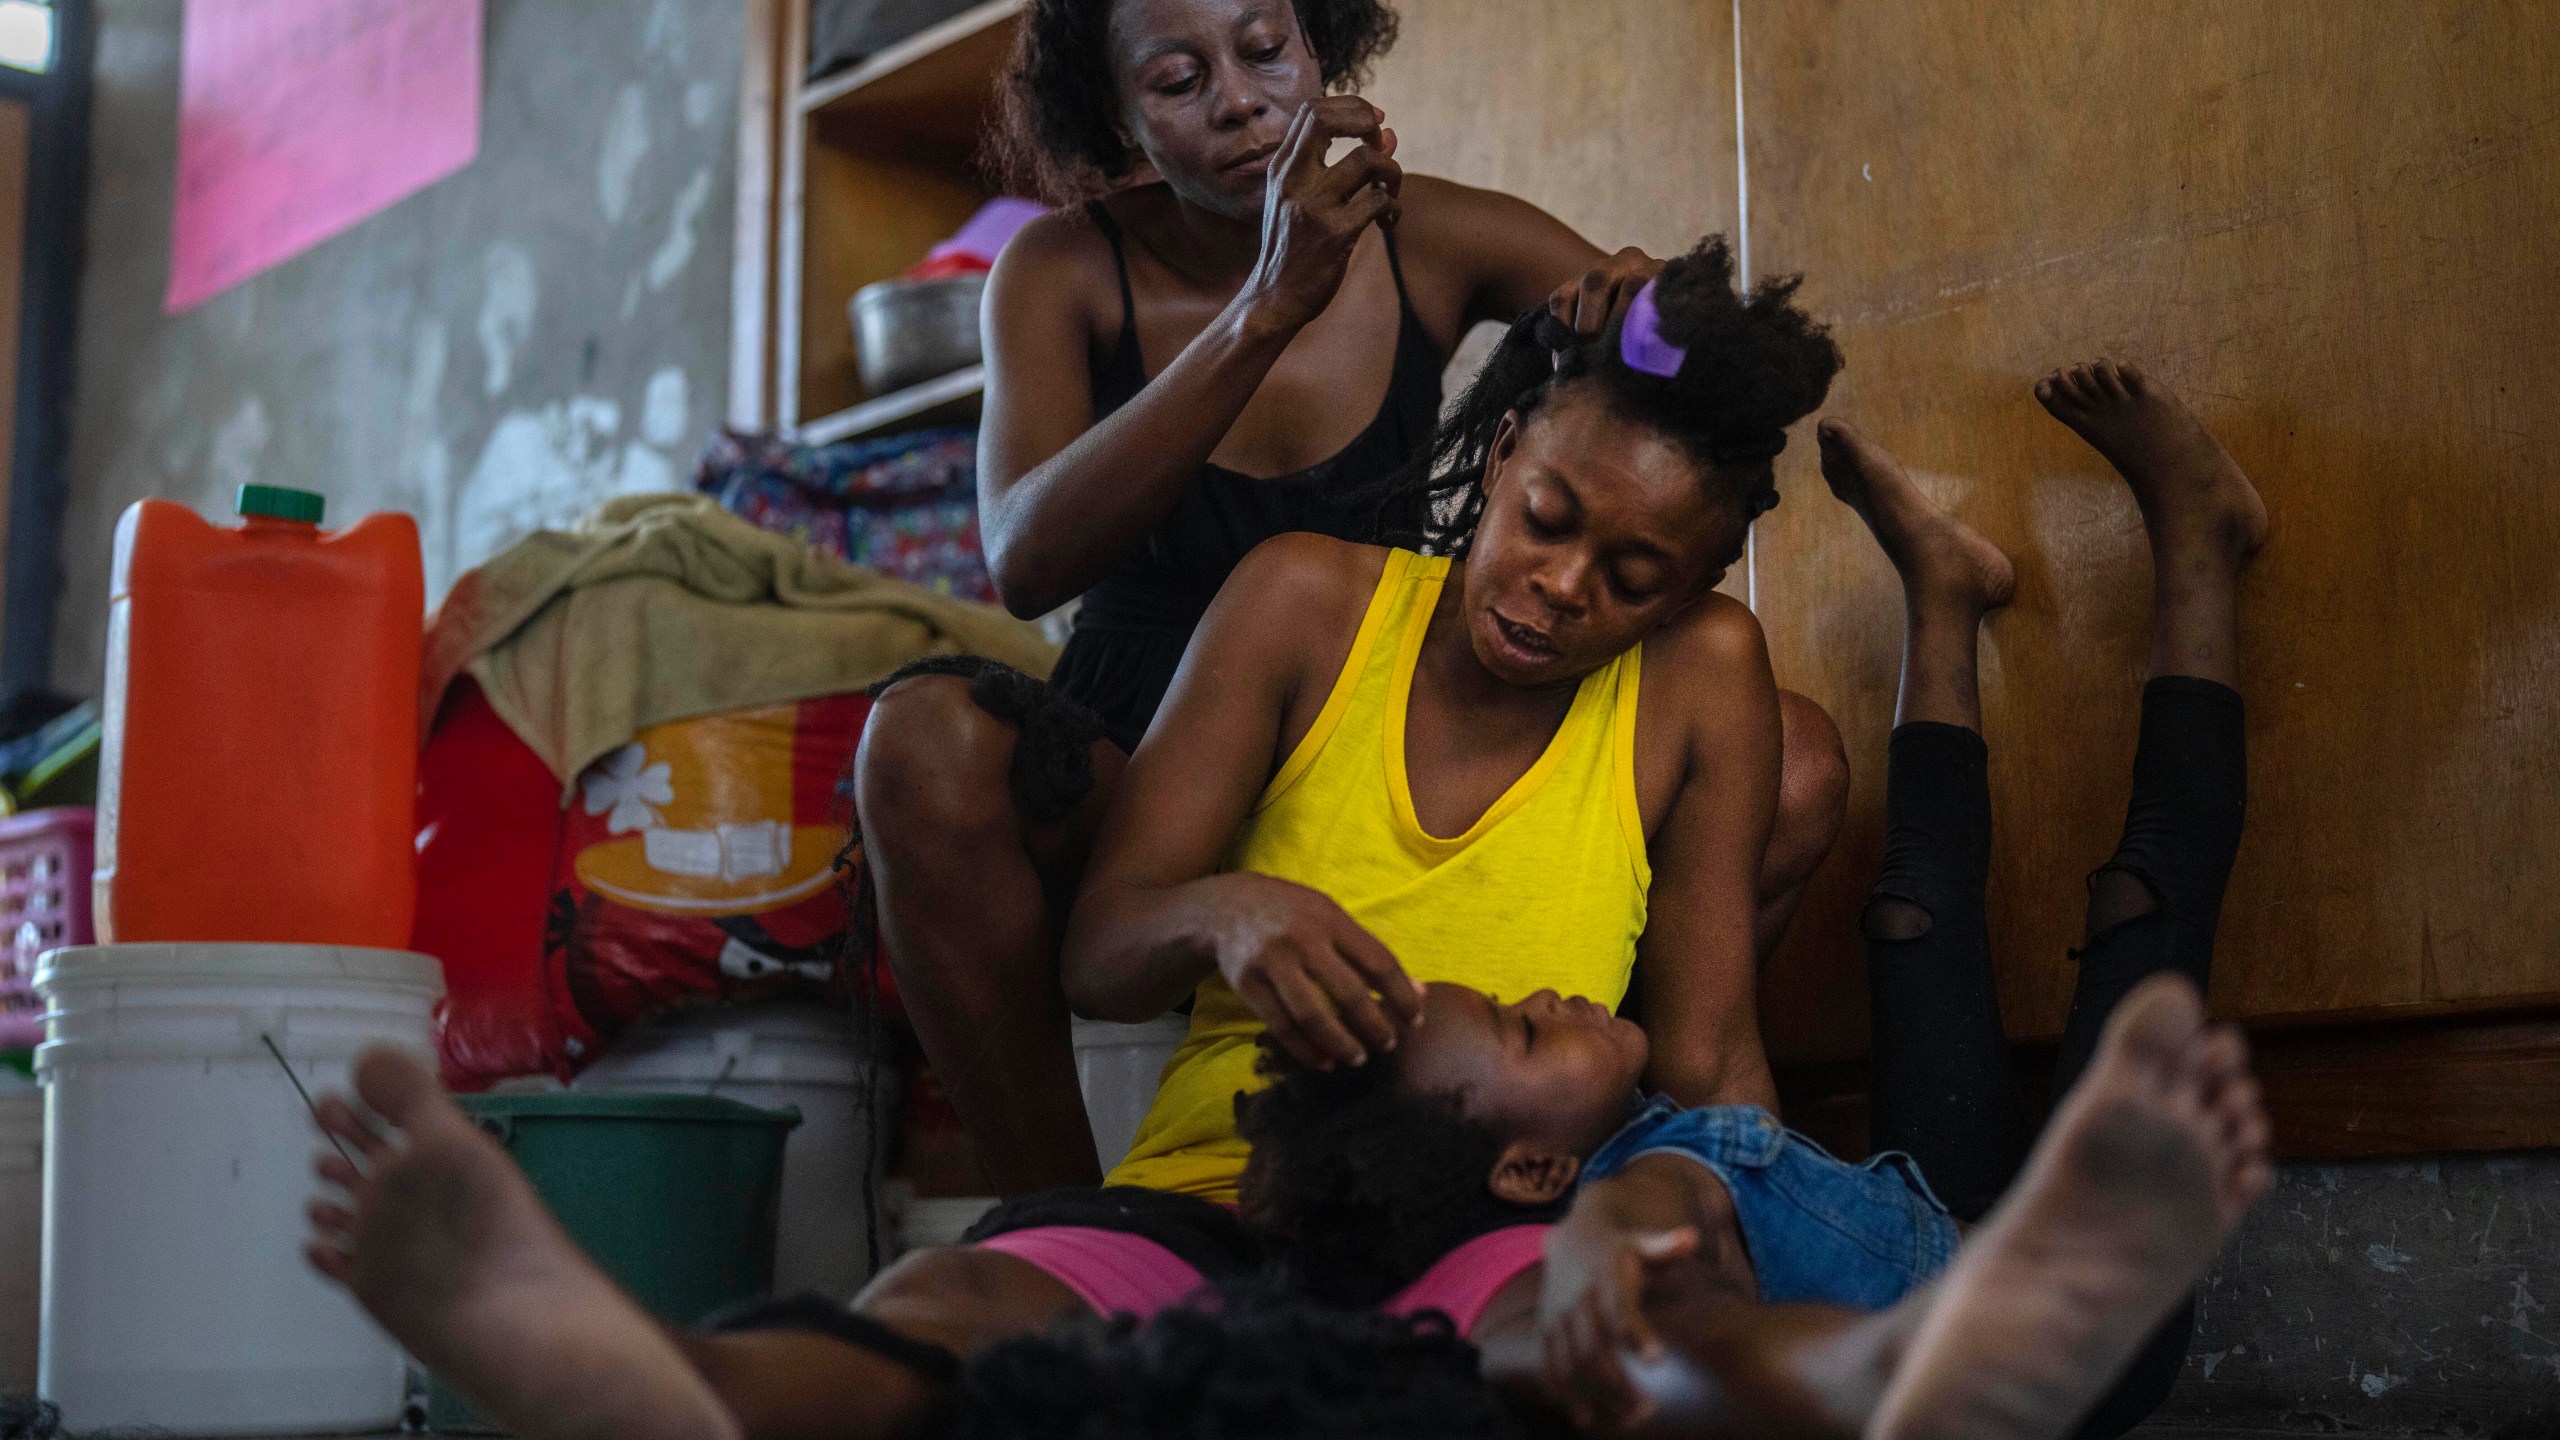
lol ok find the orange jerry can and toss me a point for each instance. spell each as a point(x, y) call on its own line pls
point(259, 772)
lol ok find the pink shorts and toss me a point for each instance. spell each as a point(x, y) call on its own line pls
point(1464, 1281)
point(1115, 1272)
point(1122, 1274)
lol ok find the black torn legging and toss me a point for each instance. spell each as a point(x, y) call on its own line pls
point(1943, 1088)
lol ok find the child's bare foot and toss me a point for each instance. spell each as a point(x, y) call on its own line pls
point(2204, 517)
point(1951, 577)
point(450, 1248)
point(2189, 487)
point(1937, 555)
point(2150, 1161)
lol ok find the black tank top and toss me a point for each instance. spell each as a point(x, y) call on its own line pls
point(1133, 625)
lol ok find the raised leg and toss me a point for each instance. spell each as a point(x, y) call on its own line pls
point(2146, 1167)
point(2154, 906)
point(445, 1243)
point(972, 898)
point(1951, 577)
point(2201, 513)
point(1943, 1089)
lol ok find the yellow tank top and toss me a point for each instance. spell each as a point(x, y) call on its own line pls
point(1547, 890)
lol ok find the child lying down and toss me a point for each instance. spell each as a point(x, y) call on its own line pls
point(2147, 1165)
point(1717, 1275)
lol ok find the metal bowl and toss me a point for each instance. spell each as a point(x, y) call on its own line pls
point(906, 332)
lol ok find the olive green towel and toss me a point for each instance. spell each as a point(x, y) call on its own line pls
point(660, 607)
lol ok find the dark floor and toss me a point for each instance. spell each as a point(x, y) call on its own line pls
point(2387, 1299)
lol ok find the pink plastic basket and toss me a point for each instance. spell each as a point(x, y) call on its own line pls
point(45, 857)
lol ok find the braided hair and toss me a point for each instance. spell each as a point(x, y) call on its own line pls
point(1754, 366)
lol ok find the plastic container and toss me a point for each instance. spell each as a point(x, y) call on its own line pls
point(177, 1165)
point(939, 1220)
point(807, 1057)
point(21, 1230)
point(1118, 1067)
point(259, 770)
point(674, 1196)
point(44, 905)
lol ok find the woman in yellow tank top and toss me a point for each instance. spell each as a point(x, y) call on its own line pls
point(1525, 769)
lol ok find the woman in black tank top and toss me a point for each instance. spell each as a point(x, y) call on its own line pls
point(1133, 624)
point(1178, 371)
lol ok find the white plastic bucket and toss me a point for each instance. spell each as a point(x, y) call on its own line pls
point(1118, 1068)
point(21, 1229)
point(177, 1164)
point(770, 1056)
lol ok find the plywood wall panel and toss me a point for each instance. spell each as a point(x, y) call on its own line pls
point(2328, 225)
point(1616, 116)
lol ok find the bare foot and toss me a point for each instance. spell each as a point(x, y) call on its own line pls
point(2189, 487)
point(1938, 556)
point(450, 1248)
point(2149, 1163)
point(2204, 517)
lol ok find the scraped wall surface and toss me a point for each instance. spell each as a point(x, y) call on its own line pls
point(547, 327)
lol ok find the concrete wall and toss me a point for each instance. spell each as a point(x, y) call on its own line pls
point(496, 353)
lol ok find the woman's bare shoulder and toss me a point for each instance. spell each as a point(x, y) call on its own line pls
point(1443, 220)
point(1303, 579)
point(1062, 254)
point(1444, 204)
point(1709, 656)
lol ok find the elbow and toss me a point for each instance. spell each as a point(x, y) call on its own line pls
point(1092, 997)
point(1096, 987)
point(1027, 593)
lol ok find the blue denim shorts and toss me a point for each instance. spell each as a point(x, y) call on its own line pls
point(1818, 1229)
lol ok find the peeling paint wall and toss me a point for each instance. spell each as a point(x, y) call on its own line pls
point(2417, 1297)
point(546, 328)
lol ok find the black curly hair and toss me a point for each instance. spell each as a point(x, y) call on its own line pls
point(1755, 366)
point(1258, 1363)
point(1057, 122)
point(1361, 1183)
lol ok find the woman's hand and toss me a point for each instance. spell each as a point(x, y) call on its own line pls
point(1329, 991)
point(1313, 214)
point(1606, 288)
point(1591, 1315)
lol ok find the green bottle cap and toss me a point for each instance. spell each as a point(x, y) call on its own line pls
point(277, 502)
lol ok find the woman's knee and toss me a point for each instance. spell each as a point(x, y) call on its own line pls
point(1813, 790)
point(932, 762)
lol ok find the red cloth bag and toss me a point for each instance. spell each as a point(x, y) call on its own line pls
point(698, 865)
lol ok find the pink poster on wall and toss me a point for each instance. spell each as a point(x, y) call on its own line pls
point(299, 118)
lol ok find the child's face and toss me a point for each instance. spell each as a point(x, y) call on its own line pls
point(1555, 1074)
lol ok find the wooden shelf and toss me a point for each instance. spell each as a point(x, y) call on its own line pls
point(948, 60)
point(889, 409)
point(868, 170)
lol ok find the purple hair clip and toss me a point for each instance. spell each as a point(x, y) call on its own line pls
point(1640, 341)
